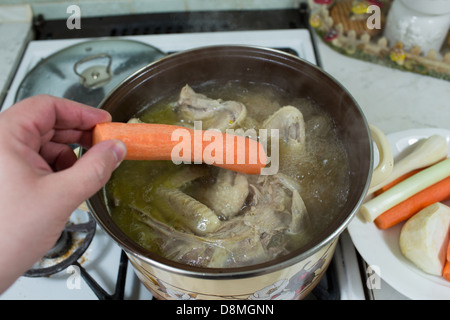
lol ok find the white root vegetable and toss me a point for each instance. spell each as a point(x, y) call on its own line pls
point(405, 189)
point(424, 238)
point(425, 152)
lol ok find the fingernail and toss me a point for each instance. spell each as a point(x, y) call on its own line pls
point(119, 150)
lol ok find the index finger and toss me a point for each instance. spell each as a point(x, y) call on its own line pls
point(38, 116)
point(66, 114)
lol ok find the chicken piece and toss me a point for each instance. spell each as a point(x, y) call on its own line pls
point(270, 220)
point(236, 244)
point(227, 196)
point(300, 218)
point(177, 245)
point(193, 214)
point(279, 204)
point(184, 176)
point(299, 213)
point(214, 114)
point(289, 121)
point(270, 204)
point(233, 243)
point(257, 235)
point(287, 182)
point(134, 120)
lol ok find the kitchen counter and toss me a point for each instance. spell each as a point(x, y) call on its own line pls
point(393, 100)
point(15, 32)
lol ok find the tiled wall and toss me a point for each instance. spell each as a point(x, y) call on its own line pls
point(54, 9)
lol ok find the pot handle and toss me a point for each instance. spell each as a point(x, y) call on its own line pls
point(386, 163)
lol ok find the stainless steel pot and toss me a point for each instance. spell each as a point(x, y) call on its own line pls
point(292, 276)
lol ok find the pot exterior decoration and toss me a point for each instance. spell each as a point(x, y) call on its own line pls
point(291, 283)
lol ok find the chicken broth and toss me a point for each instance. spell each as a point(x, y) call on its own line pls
point(211, 217)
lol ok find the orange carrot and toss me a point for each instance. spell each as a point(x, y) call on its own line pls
point(446, 270)
point(448, 251)
point(397, 181)
point(146, 141)
point(406, 209)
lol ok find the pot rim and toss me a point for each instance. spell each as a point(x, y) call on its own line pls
point(130, 247)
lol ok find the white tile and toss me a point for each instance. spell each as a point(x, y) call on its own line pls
point(15, 13)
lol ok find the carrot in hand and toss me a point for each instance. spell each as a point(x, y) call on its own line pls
point(406, 209)
point(147, 141)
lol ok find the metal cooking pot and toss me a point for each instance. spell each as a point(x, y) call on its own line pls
point(294, 275)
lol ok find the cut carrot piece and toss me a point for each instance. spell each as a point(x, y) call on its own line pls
point(407, 208)
point(397, 181)
point(147, 141)
point(448, 251)
point(446, 270)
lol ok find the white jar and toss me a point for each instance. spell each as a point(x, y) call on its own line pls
point(423, 23)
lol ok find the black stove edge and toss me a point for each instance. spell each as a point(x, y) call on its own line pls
point(174, 22)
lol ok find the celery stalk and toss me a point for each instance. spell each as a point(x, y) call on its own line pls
point(405, 189)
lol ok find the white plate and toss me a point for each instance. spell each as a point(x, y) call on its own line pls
point(381, 248)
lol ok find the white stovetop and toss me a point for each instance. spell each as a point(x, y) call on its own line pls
point(297, 39)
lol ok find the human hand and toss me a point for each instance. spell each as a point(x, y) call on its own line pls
point(42, 182)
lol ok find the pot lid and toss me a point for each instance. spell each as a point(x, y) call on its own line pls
point(88, 71)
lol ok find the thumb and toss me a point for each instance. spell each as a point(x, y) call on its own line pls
point(91, 171)
point(95, 167)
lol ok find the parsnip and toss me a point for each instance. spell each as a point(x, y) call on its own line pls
point(424, 238)
point(426, 152)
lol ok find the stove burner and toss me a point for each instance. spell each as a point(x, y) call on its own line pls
point(68, 249)
point(72, 243)
point(61, 247)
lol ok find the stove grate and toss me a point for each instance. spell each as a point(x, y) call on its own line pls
point(120, 282)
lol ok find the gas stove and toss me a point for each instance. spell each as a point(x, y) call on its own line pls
point(102, 272)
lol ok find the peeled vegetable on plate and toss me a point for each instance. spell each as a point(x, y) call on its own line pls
point(424, 238)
